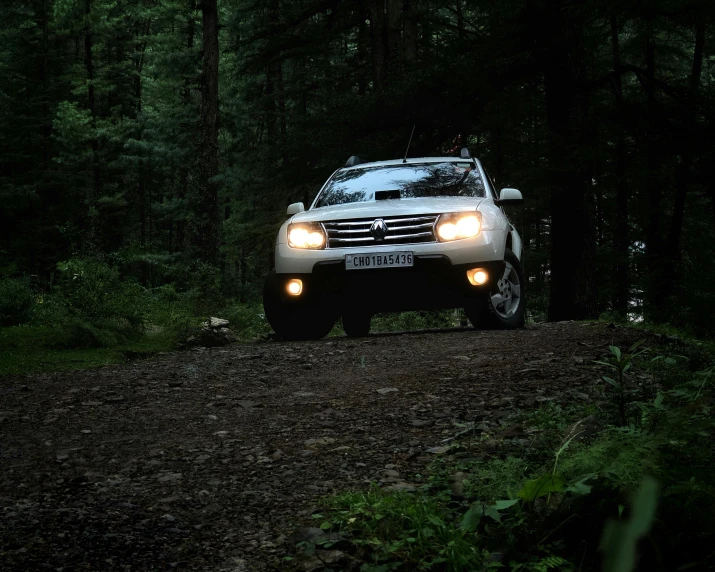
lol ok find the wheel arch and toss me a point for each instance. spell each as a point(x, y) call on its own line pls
point(513, 242)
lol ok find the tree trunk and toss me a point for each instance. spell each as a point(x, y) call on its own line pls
point(572, 284)
point(621, 279)
point(141, 191)
point(46, 129)
point(362, 48)
point(411, 33)
point(689, 119)
point(394, 13)
point(270, 104)
point(460, 22)
point(184, 170)
point(654, 241)
point(205, 224)
point(496, 143)
point(377, 27)
point(282, 114)
point(94, 193)
point(141, 185)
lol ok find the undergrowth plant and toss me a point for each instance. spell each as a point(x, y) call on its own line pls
point(586, 501)
point(17, 301)
point(620, 362)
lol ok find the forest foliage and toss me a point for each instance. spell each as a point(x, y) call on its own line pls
point(163, 140)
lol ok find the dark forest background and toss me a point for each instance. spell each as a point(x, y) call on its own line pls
point(151, 146)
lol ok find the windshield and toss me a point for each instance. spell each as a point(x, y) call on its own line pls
point(449, 179)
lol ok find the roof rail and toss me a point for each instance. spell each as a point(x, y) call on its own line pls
point(464, 153)
point(354, 160)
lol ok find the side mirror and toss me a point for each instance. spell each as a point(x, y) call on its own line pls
point(296, 208)
point(509, 197)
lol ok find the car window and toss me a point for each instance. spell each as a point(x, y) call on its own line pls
point(449, 179)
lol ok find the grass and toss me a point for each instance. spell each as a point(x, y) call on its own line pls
point(38, 349)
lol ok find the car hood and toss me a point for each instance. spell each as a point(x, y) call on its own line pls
point(390, 207)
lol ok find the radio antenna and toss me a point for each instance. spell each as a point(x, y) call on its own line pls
point(408, 144)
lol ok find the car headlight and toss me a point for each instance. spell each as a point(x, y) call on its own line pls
point(306, 236)
point(458, 225)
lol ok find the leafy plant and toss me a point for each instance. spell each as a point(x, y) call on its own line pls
point(415, 529)
point(17, 301)
point(477, 511)
point(620, 539)
point(620, 362)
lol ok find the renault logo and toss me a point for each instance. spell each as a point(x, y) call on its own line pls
point(378, 230)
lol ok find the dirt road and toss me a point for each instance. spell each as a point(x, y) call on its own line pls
point(207, 460)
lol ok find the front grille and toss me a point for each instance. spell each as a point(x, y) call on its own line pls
point(400, 230)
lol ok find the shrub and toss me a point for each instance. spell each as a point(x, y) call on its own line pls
point(172, 311)
point(203, 282)
point(17, 301)
point(82, 334)
point(247, 321)
point(101, 308)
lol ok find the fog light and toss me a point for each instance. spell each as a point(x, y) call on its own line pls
point(477, 276)
point(295, 287)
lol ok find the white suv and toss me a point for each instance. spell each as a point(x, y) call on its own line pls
point(390, 236)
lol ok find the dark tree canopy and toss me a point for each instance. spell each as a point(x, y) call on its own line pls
point(169, 136)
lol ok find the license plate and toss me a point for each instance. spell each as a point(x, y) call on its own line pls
point(378, 260)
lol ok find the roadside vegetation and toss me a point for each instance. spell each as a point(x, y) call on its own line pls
point(92, 315)
point(95, 312)
point(621, 482)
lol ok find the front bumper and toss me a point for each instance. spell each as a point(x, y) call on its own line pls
point(488, 245)
point(434, 282)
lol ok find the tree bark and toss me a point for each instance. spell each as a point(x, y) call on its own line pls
point(378, 32)
point(572, 281)
point(496, 144)
point(689, 121)
point(46, 129)
point(205, 223)
point(394, 21)
point(93, 195)
point(363, 40)
point(411, 32)
point(141, 184)
point(621, 279)
point(654, 241)
point(184, 170)
point(282, 114)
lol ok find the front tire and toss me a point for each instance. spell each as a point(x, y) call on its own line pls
point(504, 307)
point(295, 320)
point(357, 325)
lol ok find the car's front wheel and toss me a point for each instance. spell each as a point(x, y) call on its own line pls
point(504, 307)
point(356, 324)
point(295, 320)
